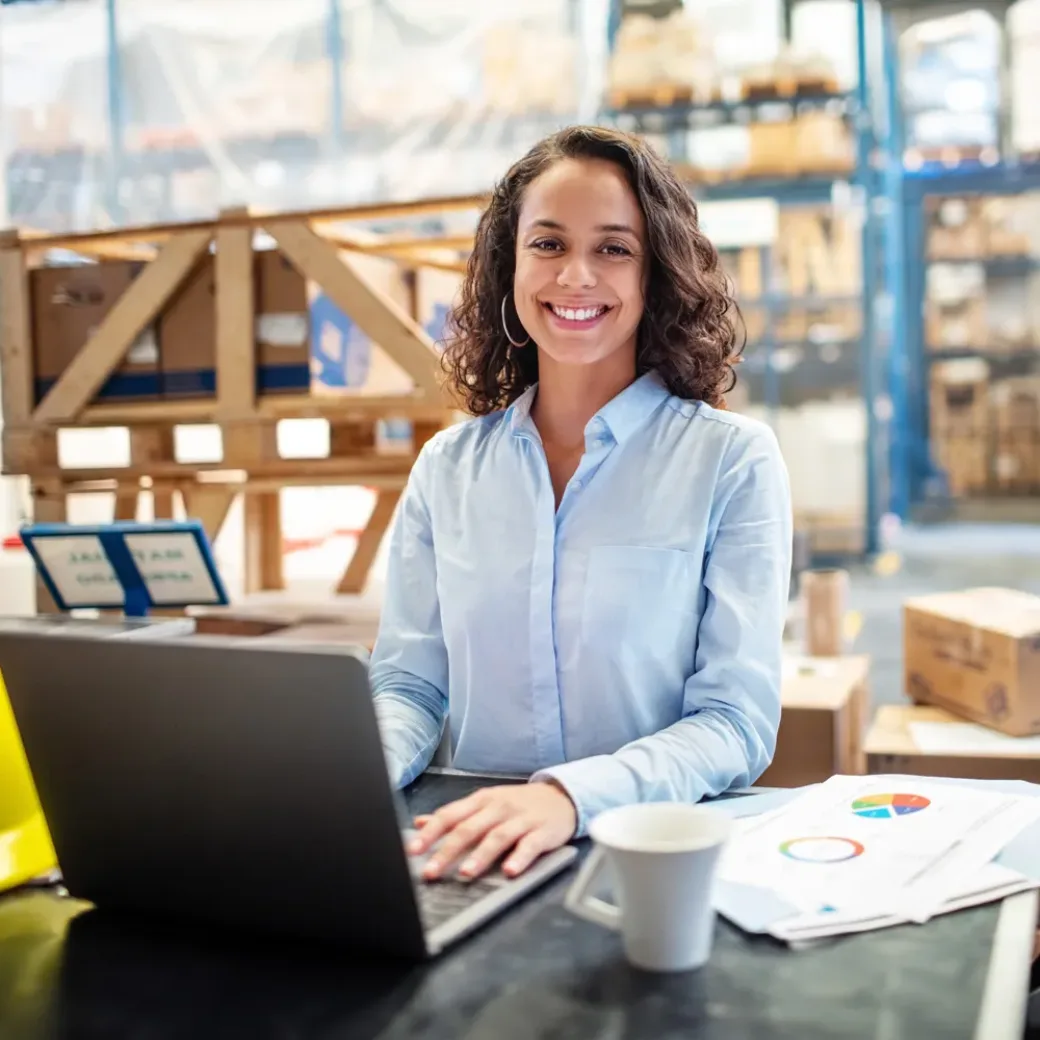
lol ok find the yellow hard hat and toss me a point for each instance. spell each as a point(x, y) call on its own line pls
point(26, 851)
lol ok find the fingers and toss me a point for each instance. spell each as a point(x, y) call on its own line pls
point(436, 825)
point(495, 842)
point(460, 838)
point(527, 850)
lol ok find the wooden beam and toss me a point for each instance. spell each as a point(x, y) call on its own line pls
point(239, 482)
point(398, 246)
point(263, 542)
point(125, 506)
point(138, 305)
point(16, 360)
point(357, 469)
point(161, 232)
point(28, 450)
point(355, 577)
point(376, 314)
point(210, 505)
point(49, 507)
point(236, 309)
point(277, 406)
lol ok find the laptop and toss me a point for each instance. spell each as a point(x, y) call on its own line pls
point(236, 783)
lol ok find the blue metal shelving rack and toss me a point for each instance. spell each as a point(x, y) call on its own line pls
point(913, 475)
point(865, 184)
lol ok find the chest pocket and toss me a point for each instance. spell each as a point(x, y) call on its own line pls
point(643, 598)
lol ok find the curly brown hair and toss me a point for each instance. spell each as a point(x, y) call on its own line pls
point(690, 333)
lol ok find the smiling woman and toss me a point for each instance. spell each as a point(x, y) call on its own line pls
point(588, 580)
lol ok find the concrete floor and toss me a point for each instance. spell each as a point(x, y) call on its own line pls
point(935, 559)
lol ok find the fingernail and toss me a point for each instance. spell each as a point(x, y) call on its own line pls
point(415, 845)
point(510, 867)
point(469, 867)
point(432, 868)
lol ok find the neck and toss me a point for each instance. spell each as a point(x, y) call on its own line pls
point(570, 395)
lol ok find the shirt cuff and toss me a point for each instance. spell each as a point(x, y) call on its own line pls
point(590, 783)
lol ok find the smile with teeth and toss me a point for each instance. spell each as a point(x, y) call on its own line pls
point(577, 313)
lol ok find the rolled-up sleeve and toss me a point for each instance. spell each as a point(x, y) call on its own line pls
point(731, 703)
point(409, 665)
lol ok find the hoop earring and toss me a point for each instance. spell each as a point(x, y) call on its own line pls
point(505, 327)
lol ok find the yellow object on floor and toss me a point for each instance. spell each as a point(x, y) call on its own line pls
point(26, 851)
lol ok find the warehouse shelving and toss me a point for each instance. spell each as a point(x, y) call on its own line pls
point(917, 486)
point(778, 371)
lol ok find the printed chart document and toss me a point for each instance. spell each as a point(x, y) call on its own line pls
point(865, 852)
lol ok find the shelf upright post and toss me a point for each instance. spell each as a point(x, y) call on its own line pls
point(334, 46)
point(899, 370)
point(115, 110)
point(868, 369)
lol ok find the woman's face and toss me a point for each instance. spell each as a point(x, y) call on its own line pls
point(580, 263)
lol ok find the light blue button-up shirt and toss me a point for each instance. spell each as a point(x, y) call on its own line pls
point(627, 644)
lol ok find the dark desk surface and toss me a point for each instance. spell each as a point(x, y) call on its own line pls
point(72, 972)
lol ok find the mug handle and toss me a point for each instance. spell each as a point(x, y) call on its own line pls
point(592, 908)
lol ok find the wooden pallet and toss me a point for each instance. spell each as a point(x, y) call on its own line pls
point(661, 95)
point(314, 243)
point(787, 88)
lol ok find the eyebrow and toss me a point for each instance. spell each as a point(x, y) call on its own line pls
point(554, 225)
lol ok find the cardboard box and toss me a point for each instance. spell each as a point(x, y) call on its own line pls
point(956, 229)
point(895, 744)
point(67, 305)
point(345, 633)
point(976, 653)
point(825, 704)
point(282, 325)
point(188, 335)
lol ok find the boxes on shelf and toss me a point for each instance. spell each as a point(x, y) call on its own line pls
point(661, 61)
point(817, 252)
point(961, 56)
point(824, 143)
point(954, 229)
point(1016, 428)
point(927, 741)
point(955, 306)
point(976, 653)
point(825, 703)
point(282, 325)
point(524, 70)
point(1012, 224)
point(960, 422)
point(1023, 24)
point(67, 304)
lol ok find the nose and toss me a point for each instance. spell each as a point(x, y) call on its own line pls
point(575, 272)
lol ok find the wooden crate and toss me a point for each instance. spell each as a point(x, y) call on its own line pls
point(317, 246)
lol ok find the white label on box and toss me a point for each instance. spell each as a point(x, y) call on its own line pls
point(80, 570)
point(282, 330)
point(733, 225)
point(144, 350)
point(958, 738)
point(172, 568)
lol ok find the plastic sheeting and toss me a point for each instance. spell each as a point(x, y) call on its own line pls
point(231, 102)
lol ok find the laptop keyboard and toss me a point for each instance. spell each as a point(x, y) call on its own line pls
point(444, 899)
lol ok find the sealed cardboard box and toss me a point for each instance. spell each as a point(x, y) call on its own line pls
point(282, 325)
point(925, 741)
point(68, 304)
point(956, 229)
point(976, 653)
point(825, 703)
point(188, 335)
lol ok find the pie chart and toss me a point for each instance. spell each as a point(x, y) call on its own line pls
point(889, 806)
point(821, 849)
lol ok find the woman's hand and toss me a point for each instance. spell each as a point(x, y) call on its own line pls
point(524, 820)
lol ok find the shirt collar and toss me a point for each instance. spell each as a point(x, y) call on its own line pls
point(622, 416)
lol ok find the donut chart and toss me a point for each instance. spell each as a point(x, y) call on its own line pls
point(889, 806)
point(821, 850)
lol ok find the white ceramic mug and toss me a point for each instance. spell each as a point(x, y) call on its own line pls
point(662, 856)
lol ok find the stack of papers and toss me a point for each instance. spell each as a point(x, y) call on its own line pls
point(859, 853)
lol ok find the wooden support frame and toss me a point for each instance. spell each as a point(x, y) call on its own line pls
point(355, 577)
point(110, 342)
point(378, 316)
point(16, 361)
point(263, 542)
point(236, 315)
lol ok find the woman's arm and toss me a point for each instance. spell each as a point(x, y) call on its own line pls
point(731, 703)
point(409, 666)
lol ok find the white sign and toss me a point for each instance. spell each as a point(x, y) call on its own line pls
point(739, 223)
point(80, 570)
point(172, 568)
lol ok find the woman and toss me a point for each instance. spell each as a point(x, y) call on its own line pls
point(592, 574)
